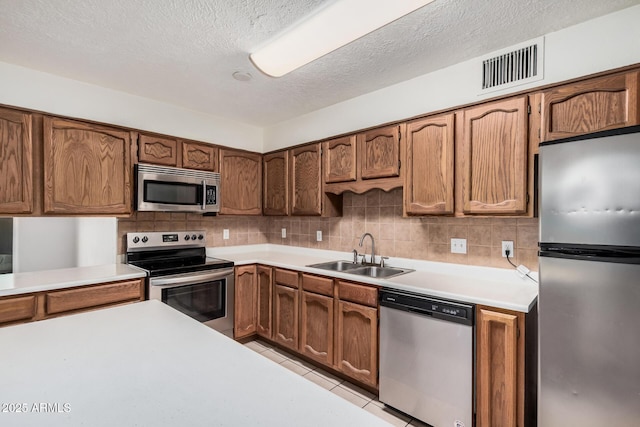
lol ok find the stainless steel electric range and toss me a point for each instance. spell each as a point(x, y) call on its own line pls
point(181, 275)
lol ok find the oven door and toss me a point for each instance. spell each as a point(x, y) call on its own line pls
point(205, 296)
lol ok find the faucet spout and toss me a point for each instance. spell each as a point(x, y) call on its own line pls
point(373, 246)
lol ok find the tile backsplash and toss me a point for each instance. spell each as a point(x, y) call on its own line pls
point(376, 212)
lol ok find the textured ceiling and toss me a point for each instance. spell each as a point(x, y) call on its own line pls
point(184, 52)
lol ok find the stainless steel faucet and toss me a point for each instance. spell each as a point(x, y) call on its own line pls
point(373, 246)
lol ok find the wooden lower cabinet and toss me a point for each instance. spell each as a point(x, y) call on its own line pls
point(357, 336)
point(44, 305)
point(265, 306)
point(500, 369)
point(245, 303)
point(285, 316)
point(316, 327)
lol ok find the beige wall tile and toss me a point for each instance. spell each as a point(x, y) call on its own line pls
point(527, 237)
point(438, 252)
point(479, 235)
point(437, 233)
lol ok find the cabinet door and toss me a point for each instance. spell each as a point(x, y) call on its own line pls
point(494, 157)
point(245, 305)
point(87, 168)
point(157, 150)
point(276, 183)
point(17, 309)
point(592, 105)
point(429, 175)
point(357, 350)
point(306, 189)
point(316, 327)
point(241, 183)
point(285, 316)
point(197, 155)
point(340, 159)
point(379, 151)
point(16, 175)
point(500, 368)
point(264, 301)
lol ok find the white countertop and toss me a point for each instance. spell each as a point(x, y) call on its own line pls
point(20, 283)
point(496, 287)
point(146, 364)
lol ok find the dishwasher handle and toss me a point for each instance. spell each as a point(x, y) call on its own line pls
point(426, 306)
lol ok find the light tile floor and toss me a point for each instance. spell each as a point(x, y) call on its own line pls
point(344, 389)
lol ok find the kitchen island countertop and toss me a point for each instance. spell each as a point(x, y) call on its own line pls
point(146, 364)
point(496, 287)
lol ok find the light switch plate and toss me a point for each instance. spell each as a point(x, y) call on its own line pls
point(225, 234)
point(319, 235)
point(284, 233)
point(458, 246)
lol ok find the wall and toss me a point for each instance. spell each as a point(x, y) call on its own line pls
point(377, 212)
point(27, 88)
point(598, 45)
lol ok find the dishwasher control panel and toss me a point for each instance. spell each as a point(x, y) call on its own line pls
point(420, 304)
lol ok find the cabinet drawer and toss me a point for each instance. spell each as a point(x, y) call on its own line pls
point(358, 293)
point(287, 278)
point(319, 285)
point(19, 308)
point(93, 296)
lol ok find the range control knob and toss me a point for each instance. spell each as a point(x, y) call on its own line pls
point(136, 239)
point(193, 237)
point(200, 237)
point(186, 237)
point(145, 239)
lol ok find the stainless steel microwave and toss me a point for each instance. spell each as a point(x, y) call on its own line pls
point(166, 189)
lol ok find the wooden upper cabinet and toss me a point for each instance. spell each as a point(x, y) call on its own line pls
point(87, 168)
point(340, 159)
point(429, 179)
point(198, 155)
point(379, 152)
point(16, 171)
point(245, 303)
point(275, 183)
point(240, 182)
point(265, 306)
point(592, 105)
point(494, 157)
point(157, 150)
point(306, 186)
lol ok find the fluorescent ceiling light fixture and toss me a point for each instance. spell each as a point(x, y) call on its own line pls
point(332, 27)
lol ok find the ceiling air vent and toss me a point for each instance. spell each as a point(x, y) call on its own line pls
point(513, 66)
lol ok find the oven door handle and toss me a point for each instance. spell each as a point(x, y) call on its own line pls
point(191, 278)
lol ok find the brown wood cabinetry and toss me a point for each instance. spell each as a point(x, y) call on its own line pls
point(198, 155)
point(44, 305)
point(500, 368)
point(264, 305)
point(275, 183)
point(591, 105)
point(380, 152)
point(87, 168)
point(493, 157)
point(285, 308)
point(429, 178)
point(316, 327)
point(340, 159)
point(16, 170)
point(240, 182)
point(307, 196)
point(245, 304)
point(157, 150)
point(357, 348)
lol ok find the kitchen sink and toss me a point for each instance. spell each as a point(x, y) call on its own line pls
point(367, 270)
point(336, 265)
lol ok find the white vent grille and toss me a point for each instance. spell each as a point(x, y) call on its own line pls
point(513, 67)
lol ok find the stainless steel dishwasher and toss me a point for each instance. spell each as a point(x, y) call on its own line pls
point(426, 358)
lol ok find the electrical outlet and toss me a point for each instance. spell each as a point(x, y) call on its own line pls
point(507, 244)
point(319, 236)
point(458, 246)
point(225, 234)
point(284, 233)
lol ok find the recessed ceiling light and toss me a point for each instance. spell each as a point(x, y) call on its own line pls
point(330, 28)
point(242, 77)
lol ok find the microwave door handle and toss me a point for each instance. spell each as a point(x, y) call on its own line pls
point(204, 195)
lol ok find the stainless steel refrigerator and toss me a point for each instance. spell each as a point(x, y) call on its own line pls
point(589, 299)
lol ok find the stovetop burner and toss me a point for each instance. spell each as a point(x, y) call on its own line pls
point(168, 253)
